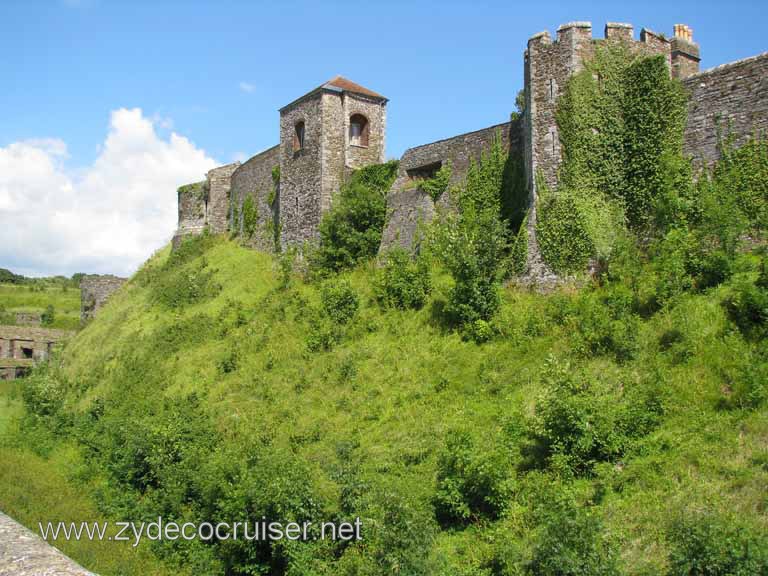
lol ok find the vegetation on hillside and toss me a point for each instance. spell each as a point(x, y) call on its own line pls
point(617, 425)
point(56, 300)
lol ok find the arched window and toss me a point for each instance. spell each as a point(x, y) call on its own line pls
point(358, 130)
point(298, 136)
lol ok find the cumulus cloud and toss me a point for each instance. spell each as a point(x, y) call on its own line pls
point(105, 218)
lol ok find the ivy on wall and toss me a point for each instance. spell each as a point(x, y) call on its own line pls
point(438, 184)
point(621, 123)
point(250, 217)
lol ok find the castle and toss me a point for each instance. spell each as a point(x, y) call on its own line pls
point(340, 126)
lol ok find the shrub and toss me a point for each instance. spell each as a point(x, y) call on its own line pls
point(403, 282)
point(43, 393)
point(470, 481)
point(340, 302)
point(351, 230)
point(606, 324)
point(581, 421)
point(674, 264)
point(398, 533)
point(704, 543)
point(250, 217)
point(275, 485)
point(186, 286)
point(519, 253)
point(569, 539)
point(472, 249)
point(747, 306)
point(49, 316)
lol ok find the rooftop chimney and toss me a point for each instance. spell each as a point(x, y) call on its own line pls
point(685, 52)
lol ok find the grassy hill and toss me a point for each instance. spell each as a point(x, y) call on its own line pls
point(210, 388)
point(36, 297)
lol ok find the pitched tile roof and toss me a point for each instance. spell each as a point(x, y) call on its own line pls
point(349, 86)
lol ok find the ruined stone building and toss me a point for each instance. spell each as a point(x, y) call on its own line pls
point(22, 346)
point(95, 290)
point(340, 126)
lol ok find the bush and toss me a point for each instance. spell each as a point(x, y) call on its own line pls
point(438, 184)
point(350, 231)
point(706, 544)
point(472, 249)
point(340, 302)
point(49, 316)
point(43, 393)
point(581, 421)
point(747, 306)
point(398, 533)
point(569, 539)
point(403, 282)
point(674, 264)
point(470, 481)
point(605, 324)
point(250, 217)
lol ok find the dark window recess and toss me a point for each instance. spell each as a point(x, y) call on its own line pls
point(424, 172)
point(358, 130)
point(298, 137)
point(27, 352)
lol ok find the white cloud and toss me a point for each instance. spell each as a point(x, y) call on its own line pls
point(106, 218)
point(247, 87)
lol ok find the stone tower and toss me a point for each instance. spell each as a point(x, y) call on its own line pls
point(337, 127)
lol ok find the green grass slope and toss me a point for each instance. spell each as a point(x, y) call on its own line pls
point(36, 298)
point(207, 389)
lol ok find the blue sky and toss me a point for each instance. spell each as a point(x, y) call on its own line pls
point(216, 73)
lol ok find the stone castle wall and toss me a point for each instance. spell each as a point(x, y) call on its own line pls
point(408, 206)
point(193, 210)
point(732, 98)
point(219, 182)
point(300, 173)
point(254, 178)
point(95, 290)
point(376, 113)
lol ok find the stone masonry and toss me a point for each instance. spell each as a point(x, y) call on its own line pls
point(95, 290)
point(408, 206)
point(22, 346)
point(312, 171)
point(732, 99)
point(254, 178)
point(24, 553)
point(321, 139)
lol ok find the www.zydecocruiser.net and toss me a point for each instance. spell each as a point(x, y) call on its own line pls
point(255, 530)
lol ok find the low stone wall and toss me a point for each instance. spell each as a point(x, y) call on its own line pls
point(408, 206)
point(24, 553)
point(28, 319)
point(732, 98)
point(95, 290)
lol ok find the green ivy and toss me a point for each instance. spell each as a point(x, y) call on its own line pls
point(562, 234)
point(621, 123)
point(438, 184)
point(250, 217)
